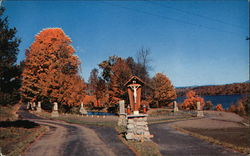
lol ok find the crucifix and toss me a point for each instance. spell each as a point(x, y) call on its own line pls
point(134, 88)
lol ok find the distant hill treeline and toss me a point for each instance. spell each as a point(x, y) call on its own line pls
point(228, 89)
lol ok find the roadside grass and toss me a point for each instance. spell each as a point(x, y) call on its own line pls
point(14, 141)
point(16, 135)
point(233, 138)
point(8, 112)
point(146, 148)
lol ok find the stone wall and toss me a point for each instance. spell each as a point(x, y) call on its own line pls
point(137, 128)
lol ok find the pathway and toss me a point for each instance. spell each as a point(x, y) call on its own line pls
point(64, 139)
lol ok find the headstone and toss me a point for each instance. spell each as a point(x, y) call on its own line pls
point(199, 111)
point(198, 106)
point(39, 109)
point(82, 110)
point(33, 106)
point(175, 107)
point(28, 106)
point(55, 110)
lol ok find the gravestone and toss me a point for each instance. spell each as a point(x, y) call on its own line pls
point(28, 106)
point(175, 107)
point(33, 106)
point(199, 111)
point(55, 110)
point(39, 109)
point(82, 110)
point(122, 115)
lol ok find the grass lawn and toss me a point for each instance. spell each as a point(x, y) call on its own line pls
point(16, 135)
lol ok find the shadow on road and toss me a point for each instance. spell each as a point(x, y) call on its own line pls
point(19, 124)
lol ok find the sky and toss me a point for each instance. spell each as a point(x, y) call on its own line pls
point(193, 42)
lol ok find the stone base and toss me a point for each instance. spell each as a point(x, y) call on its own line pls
point(38, 109)
point(122, 121)
point(55, 114)
point(200, 114)
point(137, 128)
point(176, 109)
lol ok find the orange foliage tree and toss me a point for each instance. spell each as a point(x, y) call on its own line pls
point(219, 107)
point(190, 102)
point(51, 70)
point(164, 91)
point(97, 87)
point(116, 72)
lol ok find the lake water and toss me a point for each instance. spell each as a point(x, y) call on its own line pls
point(225, 100)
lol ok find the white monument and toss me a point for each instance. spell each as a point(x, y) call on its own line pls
point(55, 110)
point(28, 106)
point(175, 107)
point(199, 111)
point(82, 110)
point(39, 109)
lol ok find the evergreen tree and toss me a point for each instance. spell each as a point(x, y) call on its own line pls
point(9, 71)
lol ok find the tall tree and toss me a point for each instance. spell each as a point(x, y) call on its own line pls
point(164, 91)
point(51, 70)
point(97, 87)
point(116, 72)
point(9, 71)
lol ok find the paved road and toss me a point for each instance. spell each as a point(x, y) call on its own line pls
point(175, 143)
point(64, 139)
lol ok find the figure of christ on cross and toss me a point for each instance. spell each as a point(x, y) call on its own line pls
point(134, 88)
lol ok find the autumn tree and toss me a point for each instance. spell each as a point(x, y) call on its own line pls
point(219, 107)
point(51, 70)
point(208, 105)
point(164, 92)
point(190, 102)
point(116, 72)
point(9, 71)
point(97, 87)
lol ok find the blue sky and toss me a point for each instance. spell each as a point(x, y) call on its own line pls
point(192, 42)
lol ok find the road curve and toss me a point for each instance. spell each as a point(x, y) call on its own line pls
point(65, 139)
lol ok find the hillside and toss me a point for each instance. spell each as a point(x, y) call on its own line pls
point(228, 89)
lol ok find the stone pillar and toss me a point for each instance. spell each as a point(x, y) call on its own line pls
point(199, 111)
point(122, 115)
point(137, 128)
point(82, 110)
point(55, 110)
point(175, 107)
point(39, 109)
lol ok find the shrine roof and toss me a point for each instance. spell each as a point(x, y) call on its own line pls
point(134, 78)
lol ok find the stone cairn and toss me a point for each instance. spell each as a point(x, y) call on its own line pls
point(199, 111)
point(122, 121)
point(175, 107)
point(55, 110)
point(39, 109)
point(137, 128)
point(82, 110)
